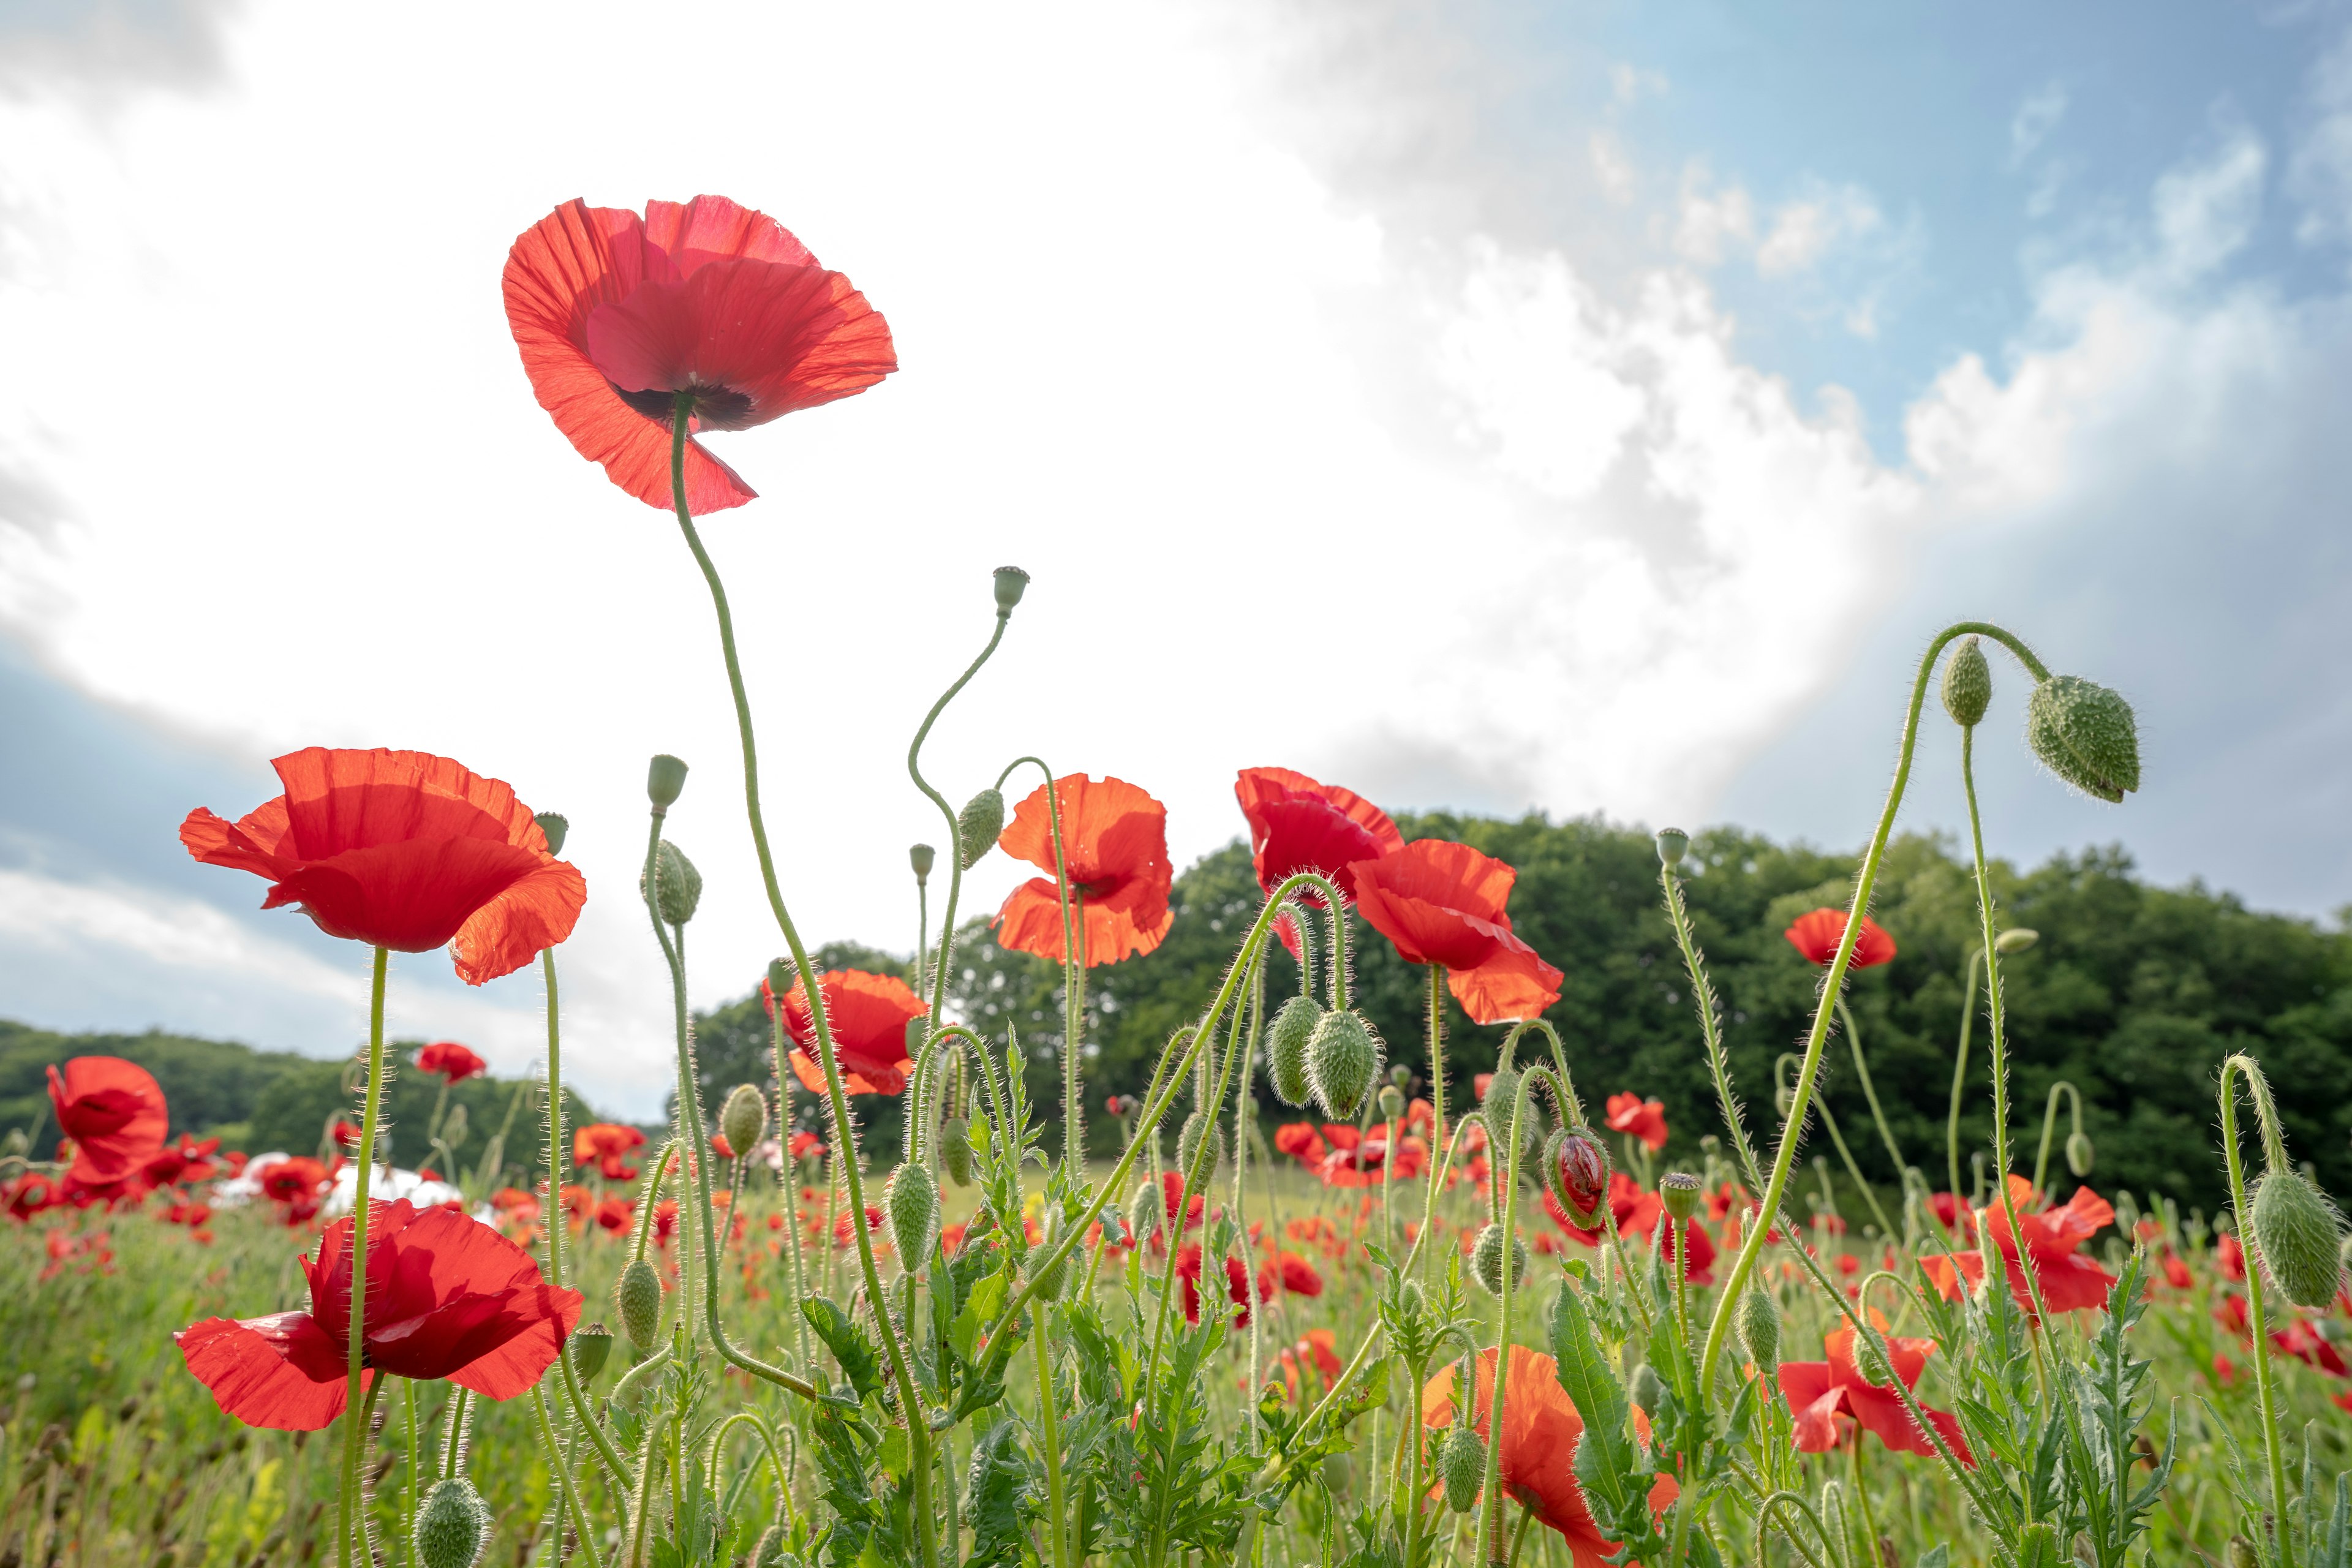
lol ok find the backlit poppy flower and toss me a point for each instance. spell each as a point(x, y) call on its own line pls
point(1114, 845)
point(452, 1061)
point(1537, 1462)
point(868, 1014)
point(1321, 1350)
point(2070, 1281)
point(665, 1221)
point(403, 850)
point(613, 1214)
point(115, 1112)
point(2303, 1342)
point(1291, 1273)
point(186, 1161)
point(1818, 933)
point(617, 313)
point(1301, 1143)
point(1821, 1391)
point(447, 1297)
point(297, 1182)
point(1298, 825)
point(515, 1202)
point(606, 1145)
point(1643, 1119)
point(1442, 903)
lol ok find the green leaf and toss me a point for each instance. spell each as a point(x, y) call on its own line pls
point(1610, 1466)
point(860, 1361)
point(981, 1311)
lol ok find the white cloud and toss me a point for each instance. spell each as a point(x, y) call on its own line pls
point(2319, 171)
point(1712, 222)
point(2205, 209)
point(1612, 166)
point(1803, 232)
point(2037, 116)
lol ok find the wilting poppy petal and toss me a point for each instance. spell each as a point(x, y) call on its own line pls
point(1115, 846)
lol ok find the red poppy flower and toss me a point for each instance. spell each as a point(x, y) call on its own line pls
point(27, 1195)
point(613, 1214)
point(1114, 844)
point(1821, 1391)
point(447, 1297)
point(1301, 1143)
point(606, 1145)
point(2176, 1272)
point(187, 1161)
point(665, 1221)
point(869, 1015)
point(2070, 1281)
point(2231, 1258)
point(615, 313)
point(453, 1061)
point(1442, 903)
point(1541, 1427)
point(1238, 1284)
point(805, 1144)
point(404, 850)
point(115, 1113)
point(1291, 1273)
point(1171, 1185)
point(1644, 1119)
point(1321, 1348)
point(297, 1180)
point(1817, 935)
point(1359, 1164)
point(1298, 825)
point(2303, 1342)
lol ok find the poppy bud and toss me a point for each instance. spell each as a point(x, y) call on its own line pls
point(1144, 1209)
point(1010, 584)
point(782, 975)
point(1412, 1302)
point(912, 1201)
point(1502, 1088)
point(588, 1347)
point(743, 1119)
point(677, 884)
point(1672, 842)
point(452, 1525)
point(1342, 1058)
point(1401, 1076)
point(1392, 1103)
point(1462, 1464)
point(1870, 1364)
point(1646, 1389)
point(1200, 1125)
point(554, 826)
point(955, 1151)
point(1579, 1171)
point(2296, 1231)
point(769, 1551)
point(1678, 1189)
point(1968, 684)
point(977, 825)
point(1285, 1052)
point(2085, 734)
point(920, 856)
point(665, 781)
point(2240, 1553)
point(1758, 1323)
point(2016, 940)
point(2078, 1153)
point(1486, 1258)
point(637, 1299)
point(1050, 1282)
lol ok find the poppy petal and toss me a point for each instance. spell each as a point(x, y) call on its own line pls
point(1511, 984)
point(535, 912)
point(282, 1372)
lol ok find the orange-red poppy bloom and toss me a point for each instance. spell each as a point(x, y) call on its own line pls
point(615, 314)
point(452, 1062)
point(115, 1113)
point(615, 1215)
point(1301, 1143)
point(1354, 1162)
point(187, 1161)
point(1818, 933)
point(1540, 1429)
point(606, 1145)
point(868, 1014)
point(1299, 825)
point(1643, 1119)
point(2070, 1281)
point(404, 850)
point(1114, 845)
point(1238, 1284)
point(447, 1297)
point(1818, 1392)
point(1444, 903)
point(1290, 1272)
point(805, 1144)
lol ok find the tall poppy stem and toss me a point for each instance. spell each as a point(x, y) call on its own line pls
point(2257, 1265)
point(1436, 1086)
point(1074, 971)
point(355, 1415)
point(1959, 1077)
point(940, 970)
point(572, 1395)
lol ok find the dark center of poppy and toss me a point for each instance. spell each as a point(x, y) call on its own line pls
point(721, 407)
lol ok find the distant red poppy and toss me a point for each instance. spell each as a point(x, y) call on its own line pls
point(613, 1214)
point(1818, 1392)
point(27, 1195)
point(346, 1134)
point(869, 1015)
point(404, 850)
point(187, 1161)
point(2303, 1342)
point(1818, 933)
point(1354, 1162)
point(2230, 1257)
point(1114, 843)
point(2070, 1282)
point(1171, 1186)
point(1320, 1349)
point(115, 1113)
point(1238, 1284)
point(606, 1145)
point(804, 1144)
point(1643, 1119)
point(615, 313)
point(296, 1180)
point(452, 1061)
point(447, 1297)
point(1301, 1143)
point(1299, 825)
point(665, 1221)
point(1291, 1273)
point(1444, 903)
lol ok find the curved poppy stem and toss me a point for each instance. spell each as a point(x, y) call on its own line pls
point(955, 834)
point(355, 1345)
point(1074, 966)
point(1960, 1073)
point(2050, 1125)
point(1870, 1091)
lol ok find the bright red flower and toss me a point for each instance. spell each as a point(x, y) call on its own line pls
point(1291, 1273)
point(665, 1221)
point(1442, 903)
point(805, 1144)
point(447, 1297)
point(2176, 1272)
point(1820, 1390)
point(297, 1181)
point(1321, 1348)
point(346, 1134)
point(187, 1161)
point(1171, 1186)
point(2231, 1258)
point(606, 1145)
point(1114, 844)
point(2070, 1281)
point(1818, 933)
point(27, 1195)
point(1301, 1143)
point(1238, 1284)
point(1537, 1460)
point(1644, 1119)
point(115, 1112)
point(515, 1204)
point(2300, 1339)
point(451, 1060)
point(869, 1015)
point(615, 313)
point(404, 850)
point(1359, 1164)
point(1298, 825)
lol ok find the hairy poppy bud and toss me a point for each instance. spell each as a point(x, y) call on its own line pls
point(2016, 940)
point(921, 857)
point(1870, 1364)
point(769, 1551)
point(743, 1119)
point(1968, 684)
point(2078, 1153)
point(1647, 1388)
point(1678, 1189)
point(912, 1201)
point(554, 825)
point(1462, 1464)
point(1673, 844)
point(1050, 1281)
point(955, 1151)
point(637, 1299)
point(1502, 1088)
point(1392, 1103)
point(1758, 1323)
point(589, 1347)
point(1010, 584)
point(1579, 1171)
point(2296, 1231)
point(1285, 1052)
point(665, 781)
point(2085, 734)
point(977, 825)
point(678, 886)
point(782, 975)
point(2240, 1553)
point(452, 1525)
point(1412, 1302)
point(1145, 1209)
point(1199, 1126)
point(1342, 1058)
point(1401, 1076)
point(1486, 1258)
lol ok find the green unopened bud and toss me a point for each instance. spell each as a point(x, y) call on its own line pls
point(955, 1151)
point(1401, 1076)
point(1646, 1389)
point(2085, 735)
point(1486, 1258)
point(743, 1119)
point(2078, 1153)
point(1051, 1282)
point(911, 1199)
point(2298, 1232)
point(1678, 1189)
point(678, 885)
point(1285, 1052)
point(920, 856)
point(1870, 1364)
point(589, 1348)
point(665, 781)
point(554, 826)
point(1673, 845)
point(1412, 1302)
point(637, 1301)
point(1392, 1103)
point(1968, 684)
point(1756, 1321)
point(1461, 1464)
point(782, 975)
point(1343, 1056)
point(2240, 1553)
point(977, 825)
point(452, 1526)
point(769, 1551)
point(1146, 1207)
point(2016, 940)
point(1010, 584)
point(1199, 1127)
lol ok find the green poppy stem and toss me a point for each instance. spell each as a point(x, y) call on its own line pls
point(355, 1353)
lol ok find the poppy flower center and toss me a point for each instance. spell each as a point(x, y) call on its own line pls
point(719, 407)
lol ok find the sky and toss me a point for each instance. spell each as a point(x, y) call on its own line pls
point(1579, 408)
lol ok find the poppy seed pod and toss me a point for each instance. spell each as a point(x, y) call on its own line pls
point(452, 1525)
point(1392, 1103)
point(1401, 1076)
point(2296, 1231)
point(1673, 844)
point(743, 1119)
point(1144, 1209)
point(2085, 734)
point(921, 858)
point(678, 886)
point(1200, 1125)
point(1461, 1464)
point(554, 825)
point(1285, 1053)
point(1968, 684)
point(955, 1151)
point(1678, 1189)
point(636, 1300)
point(665, 781)
point(1486, 1258)
point(1342, 1058)
point(912, 1201)
point(1578, 1171)
point(2078, 1153)
point(1010, 584)
point(977, 825)
point(1758, 1324)
point(589, 1348)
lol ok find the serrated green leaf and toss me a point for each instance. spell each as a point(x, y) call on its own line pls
point(981, 1308)
point(861, 1363)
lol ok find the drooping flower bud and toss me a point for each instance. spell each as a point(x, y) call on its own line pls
point(911, 1199)
point(1486, 1258)
point(2296, 1231)
point(743, 1119)
point(1392, 1103)
point(1462, 1464)
point(1678, 1190)
point(1343, 1056)
point(1756, 1321)
point(977, 825)
point(589, 1347)
point(2078, 1154)
point(2085, 734)
point(1673, 845)
point(955, 1151)
point(678, 885)
point(1968, 684)
point(1145, 1209)
point(921, 857)
point(1870, 1364)
point(1578, 1171)
point(1010, 584)
point(555, 826)
point(1199, 1126)
point(452, 1525)
point(665, 781)
point(2016, 940)
point(636, 1302)
point(2240, 1553)
point(1502, 1088)
point(1285, 1052)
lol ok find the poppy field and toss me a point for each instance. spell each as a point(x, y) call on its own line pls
point(1282, 1301)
